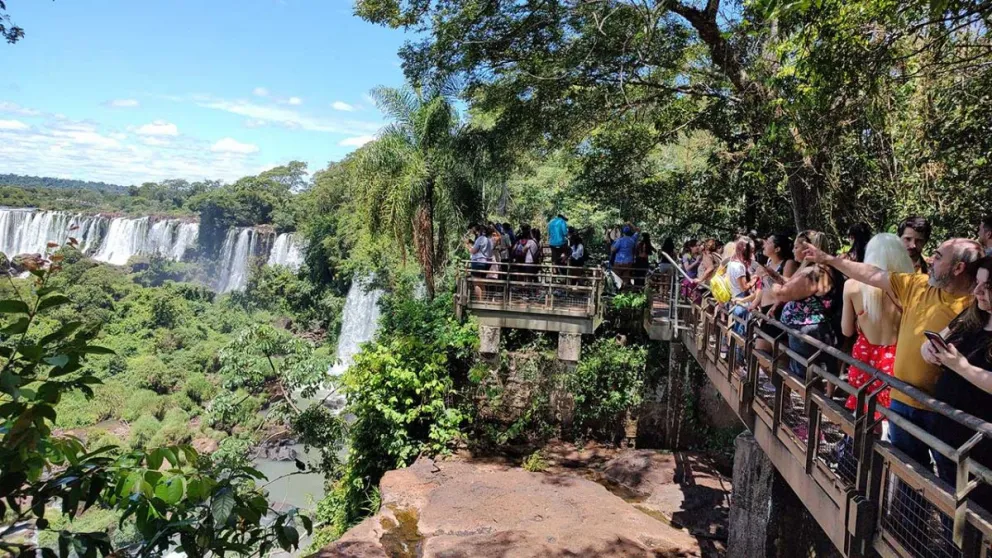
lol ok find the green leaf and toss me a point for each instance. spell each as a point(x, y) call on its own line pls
point(221, 506)
point(13, 307)
point(171, 490)
point(16, 328)
point(154, 459)
point(53, 301)
point(58, 361)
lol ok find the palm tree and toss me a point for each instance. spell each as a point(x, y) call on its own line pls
point(416, 184)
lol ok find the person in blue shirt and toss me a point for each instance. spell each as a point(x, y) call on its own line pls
point(558, 239)
point(623, 255)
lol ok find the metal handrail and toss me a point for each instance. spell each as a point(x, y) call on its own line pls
point(952, 500)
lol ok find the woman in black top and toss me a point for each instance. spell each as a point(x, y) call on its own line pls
point(966, 381)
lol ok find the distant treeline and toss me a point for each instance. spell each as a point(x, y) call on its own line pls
point(56, 183)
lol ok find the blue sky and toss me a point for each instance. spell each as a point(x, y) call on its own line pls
point(127, 91)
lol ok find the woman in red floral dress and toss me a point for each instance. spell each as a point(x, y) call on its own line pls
point(873, 316)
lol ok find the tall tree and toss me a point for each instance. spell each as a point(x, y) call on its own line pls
point(416, 185)
point(787, 86)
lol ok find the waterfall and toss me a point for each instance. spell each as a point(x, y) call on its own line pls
point(239, 246)
point(27, 231)
point(127, 237)
point(358, 323)
point(286, 252)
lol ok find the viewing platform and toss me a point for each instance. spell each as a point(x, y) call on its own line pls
point(868, 497)
point(540, 297)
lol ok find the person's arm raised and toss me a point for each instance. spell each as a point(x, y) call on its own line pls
point(866, 273)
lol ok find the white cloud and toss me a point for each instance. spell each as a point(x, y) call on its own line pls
point(295, 101)
point(14, 108)
point(86, 150)
point(13, 125)
point(123, 103)
point(231, 145)
point(291, 118)
point(342, 106)
point(158, 128)
point(255, 123)
point(155, 141)
point(357, 141)
point(260, 92)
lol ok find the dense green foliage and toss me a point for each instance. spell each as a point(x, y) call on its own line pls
point(402, 391)
point(55, 183)
point(709, 117)
point(169, 493)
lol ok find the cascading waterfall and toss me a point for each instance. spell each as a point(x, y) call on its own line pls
point(116, 240)
point(27, 231)
point(127, 237)
point(358, 323)
point(286, 252)
point(239, 246)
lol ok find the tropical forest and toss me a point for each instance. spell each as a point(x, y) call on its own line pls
point(429, 344)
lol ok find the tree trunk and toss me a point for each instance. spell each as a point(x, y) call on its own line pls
point(805, 191)
point(423, 240)
point(427, 250)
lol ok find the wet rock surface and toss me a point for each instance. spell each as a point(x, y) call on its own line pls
point(456, 509)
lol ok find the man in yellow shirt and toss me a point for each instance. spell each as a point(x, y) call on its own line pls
point(929, 303)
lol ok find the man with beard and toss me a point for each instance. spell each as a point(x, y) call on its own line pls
point(915, 233)
point(929, 303)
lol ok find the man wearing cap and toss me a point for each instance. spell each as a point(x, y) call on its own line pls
point(558, 239)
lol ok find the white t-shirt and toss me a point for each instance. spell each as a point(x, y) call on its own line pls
point(531, 251)
point(736, 270)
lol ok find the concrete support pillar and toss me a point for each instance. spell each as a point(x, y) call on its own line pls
point(569, 346)
point(750, 501)
point(489, 339)
point(766, 517)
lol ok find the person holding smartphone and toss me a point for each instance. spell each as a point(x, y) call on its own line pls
point(964, 351)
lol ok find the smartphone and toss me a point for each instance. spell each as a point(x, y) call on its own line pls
point(936, 339)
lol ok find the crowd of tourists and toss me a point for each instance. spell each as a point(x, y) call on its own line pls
point(498, 252)
point(925, 319)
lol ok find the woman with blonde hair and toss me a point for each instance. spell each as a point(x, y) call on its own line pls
point(807, 300)
point(873, 316)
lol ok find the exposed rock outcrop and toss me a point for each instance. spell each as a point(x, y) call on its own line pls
point(459, 510)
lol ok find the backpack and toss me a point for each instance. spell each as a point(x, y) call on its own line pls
point(720, 285)
point(538, 254)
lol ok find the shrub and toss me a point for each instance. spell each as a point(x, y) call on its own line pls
point(607, 382)
point(199, 388)
point(175, 429)
point(143, 402)
point(535, 463)
point(151, 373)
point(143, 430)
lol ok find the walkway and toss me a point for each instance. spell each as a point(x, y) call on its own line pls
point(868, 497)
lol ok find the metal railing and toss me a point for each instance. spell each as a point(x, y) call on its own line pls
point(869, 497)
point(545, 289)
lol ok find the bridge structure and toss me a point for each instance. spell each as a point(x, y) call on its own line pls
point(541, 297)
point(869, 498)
